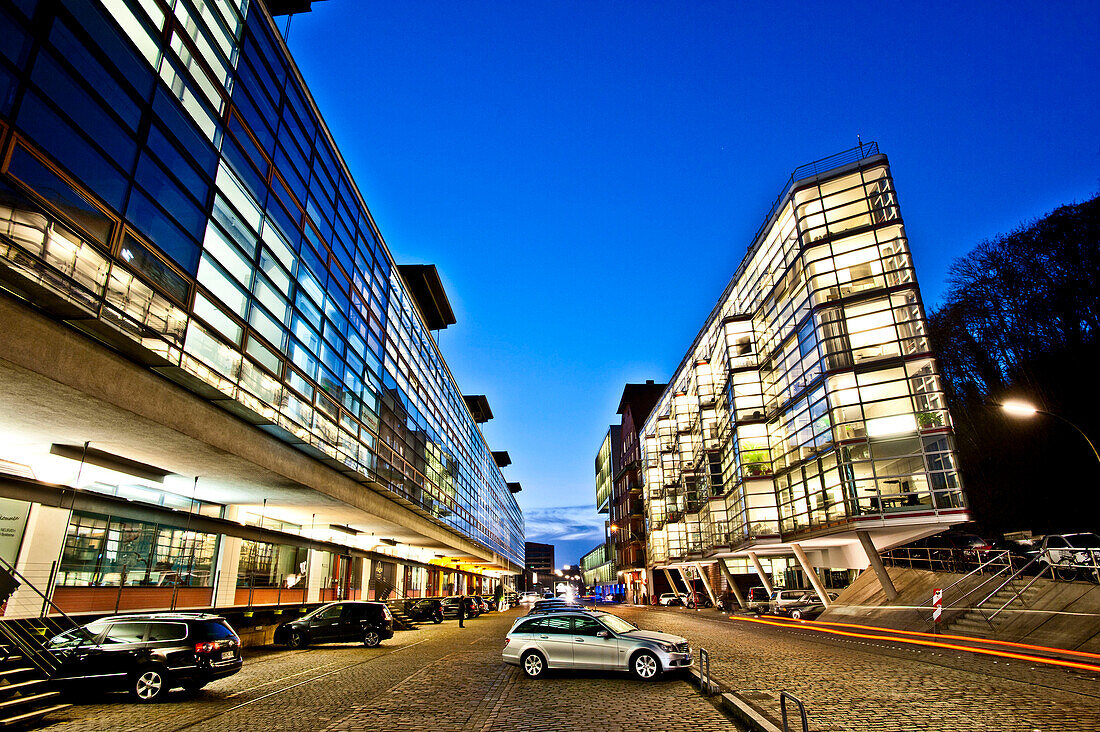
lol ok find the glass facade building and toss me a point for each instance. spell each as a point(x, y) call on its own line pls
point(809, 406)
point(168, 187)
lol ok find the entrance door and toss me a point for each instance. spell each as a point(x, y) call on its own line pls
point(340, 577)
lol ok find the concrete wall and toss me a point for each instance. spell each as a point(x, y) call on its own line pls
point(1056, 614)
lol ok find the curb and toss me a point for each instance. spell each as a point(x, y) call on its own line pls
point(743, 710)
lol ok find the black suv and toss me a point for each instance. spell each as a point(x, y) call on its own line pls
point(427, 609)
point(146, 654)
point(350, 620)
point(451, 604)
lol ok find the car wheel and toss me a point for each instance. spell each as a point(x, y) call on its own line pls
point(371, 638)
point(796, 614)
point(149, 684)
point(533, 664)
point(437, 619)
point(1065, 571)
point(645, 666)
point(295, 639)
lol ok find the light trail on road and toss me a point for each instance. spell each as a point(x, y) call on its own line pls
point(884, 634)
point(947, 636)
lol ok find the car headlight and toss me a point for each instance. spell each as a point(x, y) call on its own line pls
point(666, 647)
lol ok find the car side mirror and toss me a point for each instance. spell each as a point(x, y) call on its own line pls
point(602, 634)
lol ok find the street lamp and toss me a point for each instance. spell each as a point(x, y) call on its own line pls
point(1023, 409)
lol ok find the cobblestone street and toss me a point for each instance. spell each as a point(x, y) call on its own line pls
point(442, 678)
point(865, 685)
point(439, 678)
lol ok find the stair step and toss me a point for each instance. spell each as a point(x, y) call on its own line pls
point(28, 699)
point(32, 715)
point(21, 686)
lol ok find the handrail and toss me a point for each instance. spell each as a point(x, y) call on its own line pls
point(28, 634)
point(24, 582)
point(1002, 555)
point(1020, 593)
point(783, 697)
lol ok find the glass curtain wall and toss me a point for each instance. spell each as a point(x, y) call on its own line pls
point(166, 171)
point(811, 396)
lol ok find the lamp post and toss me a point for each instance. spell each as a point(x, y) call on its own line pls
point(1023, 409)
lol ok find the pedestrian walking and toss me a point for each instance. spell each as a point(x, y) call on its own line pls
point(461, 611)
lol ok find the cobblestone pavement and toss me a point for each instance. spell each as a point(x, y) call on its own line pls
point(439, 678)
point(850, 684)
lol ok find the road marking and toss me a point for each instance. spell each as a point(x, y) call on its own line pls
point(918, 642)
point(294, 686)
point(315, 678)
point(943, 636)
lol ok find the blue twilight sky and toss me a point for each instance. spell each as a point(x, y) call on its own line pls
point(587, 175)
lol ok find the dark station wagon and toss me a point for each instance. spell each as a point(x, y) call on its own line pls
point(146, 655)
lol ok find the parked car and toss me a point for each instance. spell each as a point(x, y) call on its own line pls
point(426, 609)
point(147, 655)
point(451, 605)
point(482, 604)
point(951, 551)
point(350, 620)
point(528, 597)
point(781, 598)
point(757, 600)
point(669, 598)
point(592, 639)
point(1072, 555)
point(554, 605)
point(696, 599)
point(806, 608)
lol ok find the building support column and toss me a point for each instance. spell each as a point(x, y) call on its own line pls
point(760, 572)
point(732, 583)
point(811, 574)
point(672, 582)
point(689, 587)
point(876, 564)
point(706, 585)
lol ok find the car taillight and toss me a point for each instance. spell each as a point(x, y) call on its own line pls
point(507, 640)
point(206, 647)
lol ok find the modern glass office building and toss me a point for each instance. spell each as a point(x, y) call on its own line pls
point(807, 417)
point(170, 193)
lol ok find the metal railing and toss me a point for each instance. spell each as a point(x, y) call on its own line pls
point(783, 697)
point(706, 682)
point(28, 634)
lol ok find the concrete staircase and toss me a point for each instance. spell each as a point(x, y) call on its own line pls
point(401, 621)
point(979, 624)
point(24, 693)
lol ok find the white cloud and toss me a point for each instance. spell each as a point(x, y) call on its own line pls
point(563, 523)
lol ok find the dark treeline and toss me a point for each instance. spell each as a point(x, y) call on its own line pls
point(1021, 321)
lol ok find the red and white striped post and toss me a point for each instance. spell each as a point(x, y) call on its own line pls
point(937, 606)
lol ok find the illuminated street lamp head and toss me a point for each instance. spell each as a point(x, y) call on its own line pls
point(1019, 409)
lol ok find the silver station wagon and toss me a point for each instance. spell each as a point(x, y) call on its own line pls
point(591, 639)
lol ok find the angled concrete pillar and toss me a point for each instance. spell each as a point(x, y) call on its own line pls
point(875, 560)
point(671, 582)
point(811, 574)
point(760, 572)
point(732, 583)
point(689, 587)
point(706, 585)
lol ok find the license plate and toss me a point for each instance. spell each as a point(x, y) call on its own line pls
point(226, 655)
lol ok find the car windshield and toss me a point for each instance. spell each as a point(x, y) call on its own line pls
point(1084, 541)
point(617, 624)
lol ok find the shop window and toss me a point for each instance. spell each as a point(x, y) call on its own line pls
point(103, 550)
